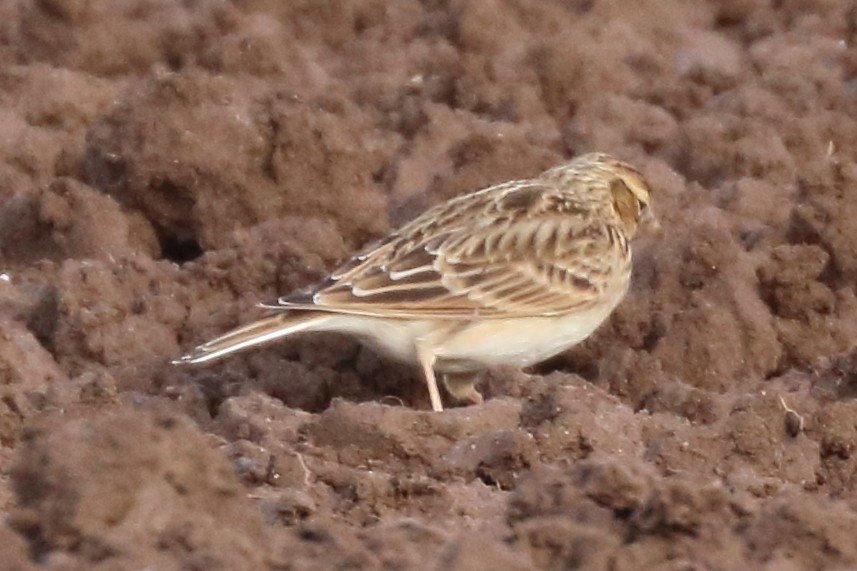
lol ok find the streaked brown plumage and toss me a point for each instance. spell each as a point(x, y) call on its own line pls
point(511, 274)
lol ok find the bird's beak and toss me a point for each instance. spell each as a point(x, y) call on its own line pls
point(650, 223)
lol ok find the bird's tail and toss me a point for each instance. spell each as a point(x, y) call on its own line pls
point(255, 333)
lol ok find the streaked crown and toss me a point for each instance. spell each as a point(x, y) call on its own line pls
point(629, 194)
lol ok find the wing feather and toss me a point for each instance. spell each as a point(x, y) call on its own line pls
point(516, 255)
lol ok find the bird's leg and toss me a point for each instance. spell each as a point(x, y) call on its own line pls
point(427, 358)
point(462, 386)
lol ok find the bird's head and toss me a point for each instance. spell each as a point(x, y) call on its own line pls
point(629, 193)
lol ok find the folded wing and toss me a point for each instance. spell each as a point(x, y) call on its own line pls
point(518, 252)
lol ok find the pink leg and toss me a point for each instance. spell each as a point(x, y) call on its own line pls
point(427, 359)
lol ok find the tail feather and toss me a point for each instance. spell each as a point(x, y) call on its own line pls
point(252, 334)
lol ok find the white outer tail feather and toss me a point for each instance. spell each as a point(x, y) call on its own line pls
point(255, 333)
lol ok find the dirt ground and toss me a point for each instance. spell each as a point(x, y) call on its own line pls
point(166, 165)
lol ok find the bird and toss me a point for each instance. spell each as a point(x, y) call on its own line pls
point(511, 274)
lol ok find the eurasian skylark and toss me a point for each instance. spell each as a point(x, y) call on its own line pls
point(511, 274)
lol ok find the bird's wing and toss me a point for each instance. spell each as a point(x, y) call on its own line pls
point(516, 250)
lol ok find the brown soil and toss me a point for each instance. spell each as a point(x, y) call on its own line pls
point(166, 165)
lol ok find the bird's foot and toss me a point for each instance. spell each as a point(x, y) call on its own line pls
point(462, 387)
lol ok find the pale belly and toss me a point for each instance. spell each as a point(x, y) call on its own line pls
point(519, 342)
point(461, 346)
